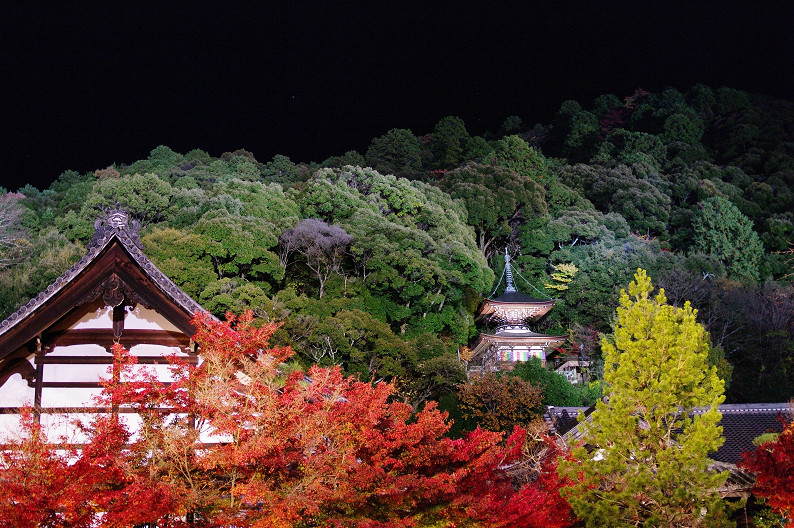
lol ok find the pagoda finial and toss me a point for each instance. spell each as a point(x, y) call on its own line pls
point(508, 273)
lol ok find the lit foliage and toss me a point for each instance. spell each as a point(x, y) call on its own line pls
point(513, 153)
point(651, 463)
point(284, 450)
point(555, 387)
point(13, 243)
point(412, 249)
point(495, 198)
point(773, 465)
point(499, 403)
point(562, 276)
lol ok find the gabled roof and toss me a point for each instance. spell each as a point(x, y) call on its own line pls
point(114, 268)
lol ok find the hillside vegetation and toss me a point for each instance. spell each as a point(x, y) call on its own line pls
point(378, 260)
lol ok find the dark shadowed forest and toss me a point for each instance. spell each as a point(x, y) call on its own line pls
point(378, 260)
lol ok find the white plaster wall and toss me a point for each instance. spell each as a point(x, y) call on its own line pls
point(53, 372)
point(161, 372)
point(148, 350)
point(79, 350)
point(140, 318)
point(16, 393)
point(9, 427)
point(102, 317)
point(69, 397)
point(65, 427)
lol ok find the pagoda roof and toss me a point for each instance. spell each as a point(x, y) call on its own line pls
point(533, 307)
point(513, 301)
point(518, 297)
point(523, 338)
point(114, 268)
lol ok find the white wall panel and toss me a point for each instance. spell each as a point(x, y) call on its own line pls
point(102, 317)
point(79, 350)
point(140, 318)
point(69, 397)
point(16, 393)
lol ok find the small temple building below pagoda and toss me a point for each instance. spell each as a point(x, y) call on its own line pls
point(513, 340)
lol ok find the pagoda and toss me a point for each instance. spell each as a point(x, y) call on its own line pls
point(513, 341)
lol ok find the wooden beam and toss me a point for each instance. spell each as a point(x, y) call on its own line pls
point(118, 320)
point(81, 384)
point(85, 410)
point(104, 337)
point(108, 360)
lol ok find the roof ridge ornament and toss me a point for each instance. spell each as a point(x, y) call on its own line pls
point(116, 221)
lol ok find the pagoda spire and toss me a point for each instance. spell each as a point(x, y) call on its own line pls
point(508, 274)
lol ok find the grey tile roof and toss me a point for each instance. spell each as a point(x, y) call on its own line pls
point(741, 423)
point(518, 297)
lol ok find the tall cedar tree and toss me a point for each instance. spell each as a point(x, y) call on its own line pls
point(773, 464)
point(235, 441)
point(651, 465)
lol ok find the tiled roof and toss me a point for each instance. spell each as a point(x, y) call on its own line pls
point(518, 297)
point(741, 423)
point(562, 419)
point(116, 225)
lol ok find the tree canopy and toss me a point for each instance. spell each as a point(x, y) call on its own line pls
point(697, 180)
point(650, 464)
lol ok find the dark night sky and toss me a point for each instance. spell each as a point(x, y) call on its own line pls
point(83, 88)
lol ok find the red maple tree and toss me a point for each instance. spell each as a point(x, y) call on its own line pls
point(237, 440)
point(773, 465)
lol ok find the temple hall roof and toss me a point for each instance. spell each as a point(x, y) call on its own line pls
point(114, 267)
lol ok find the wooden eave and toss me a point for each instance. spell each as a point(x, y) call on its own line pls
point(114, 255)
point(485, 340)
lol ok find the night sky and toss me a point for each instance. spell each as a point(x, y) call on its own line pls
point(84, 88)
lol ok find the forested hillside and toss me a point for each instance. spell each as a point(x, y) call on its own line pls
point(378, 260)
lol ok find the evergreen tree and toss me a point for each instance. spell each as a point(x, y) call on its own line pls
point(651, 463)
point(723, 231)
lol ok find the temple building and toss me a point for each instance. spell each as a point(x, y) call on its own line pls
point(55, 350)
point(513, 341)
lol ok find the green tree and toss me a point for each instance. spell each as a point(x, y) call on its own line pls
point(515, 154)
point(398, 152)
point(557, 390)
point(720, 229)
point(13, 240)
point(412, 249)
point(496, 199)
point(281, 170)
point(146, 196)
point(651, 466)
point(682, 127)
point(449, 142)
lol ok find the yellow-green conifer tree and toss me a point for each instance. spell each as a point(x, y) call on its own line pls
point(650, 465)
